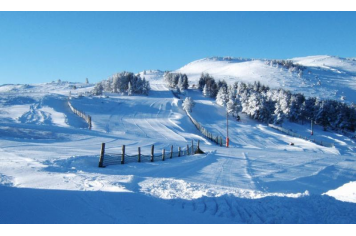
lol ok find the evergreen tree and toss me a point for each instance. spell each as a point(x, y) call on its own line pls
point(222, 97)
point(188, 104)
point(129, 89)
point(98, 89)
point(206, 91)
point(231, 108)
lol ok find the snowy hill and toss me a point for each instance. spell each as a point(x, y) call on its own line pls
point(324, 76)
point(48, 153)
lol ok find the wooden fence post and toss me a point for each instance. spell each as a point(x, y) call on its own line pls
point(171, 152)
point(192, 148)
point(89, 121)
point(163, 154)
point(179, 151)
point(102, 152)
point(123, 155)
point(187, 149)
point(139, 154)
point(152, 152)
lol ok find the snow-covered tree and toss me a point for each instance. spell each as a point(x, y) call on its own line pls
point(206, 91)
point(120, 82)
point(145, 87)
point(129, 89)
point(98, 89)
point(175, 80)
point(188, 104)
point(222, 97)
point(86, 81)
point(231, 108)
point(211, 86)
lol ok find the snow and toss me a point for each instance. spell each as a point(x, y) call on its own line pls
point(49, 159)
point(325, 76)
point(346, 193)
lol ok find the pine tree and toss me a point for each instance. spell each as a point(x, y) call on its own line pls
point(129, 89)
point(145, 86)
point(222, 97)
point(188, 104)
point(206, 91)
point(231, 108)
point(98, 89)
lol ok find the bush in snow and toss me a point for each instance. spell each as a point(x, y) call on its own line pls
point(188, 104)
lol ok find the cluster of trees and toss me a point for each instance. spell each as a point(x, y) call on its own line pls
point(177, 81)
point(275, 105)
point(208, 85)
point(288, 64)
point(124, 82)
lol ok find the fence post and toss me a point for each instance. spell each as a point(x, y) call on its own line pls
point(171, 152)
point(89, 121)
point(163, 153)
point(179, 151)
point(192, 148)
point(152, 152)
point(102, 152)
point(187, 149)
point(123, 155)
point(139, 154)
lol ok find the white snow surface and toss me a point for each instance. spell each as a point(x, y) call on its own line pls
point(346, 193)
point(49, 159)
point(324, 76)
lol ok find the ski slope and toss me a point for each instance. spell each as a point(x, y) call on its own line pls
point(326, 77)
point(49, 162)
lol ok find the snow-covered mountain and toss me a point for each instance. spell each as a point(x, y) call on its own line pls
point(49, 158)
point(326, 77)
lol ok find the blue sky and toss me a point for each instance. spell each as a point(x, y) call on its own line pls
point(40, 47)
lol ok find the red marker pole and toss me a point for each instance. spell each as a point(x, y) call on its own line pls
point(227, 130)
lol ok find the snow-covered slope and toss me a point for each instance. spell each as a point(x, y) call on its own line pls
point(47, 153)
point(323, 76)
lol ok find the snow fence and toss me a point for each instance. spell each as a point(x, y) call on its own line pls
point(87, 118)
point(111, 158)
point(219, 140)
point(290, 133)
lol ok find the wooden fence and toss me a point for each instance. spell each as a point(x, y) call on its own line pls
point(87, 118)
point(110, 158)
point(290, 133)
point(219, 140)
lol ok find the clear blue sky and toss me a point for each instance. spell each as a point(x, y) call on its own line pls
point(40, 47)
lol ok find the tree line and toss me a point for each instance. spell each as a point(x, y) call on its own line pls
point(124, 82)
point(276, 105)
